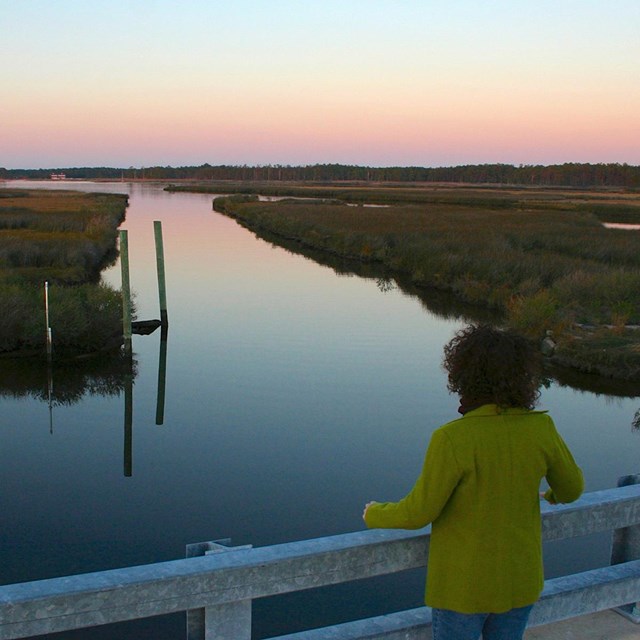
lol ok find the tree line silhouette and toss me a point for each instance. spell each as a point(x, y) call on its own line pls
point(572, 174)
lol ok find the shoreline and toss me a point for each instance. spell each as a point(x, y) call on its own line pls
point(604, 350)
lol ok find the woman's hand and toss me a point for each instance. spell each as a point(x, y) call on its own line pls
point(548, 496)
point(366, 506)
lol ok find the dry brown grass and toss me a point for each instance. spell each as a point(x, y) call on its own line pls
point(45, 201)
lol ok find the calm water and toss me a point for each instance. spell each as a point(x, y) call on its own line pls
point(294, 394)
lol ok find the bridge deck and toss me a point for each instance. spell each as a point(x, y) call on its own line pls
point(605, 625)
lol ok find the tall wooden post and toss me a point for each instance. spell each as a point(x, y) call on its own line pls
point(126, 291)
point(162, 289)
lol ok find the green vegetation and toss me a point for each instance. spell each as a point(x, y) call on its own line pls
point(542, 258)
point(64, 238)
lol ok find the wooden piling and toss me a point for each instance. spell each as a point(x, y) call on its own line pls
point(162, 289)
point(126, 291)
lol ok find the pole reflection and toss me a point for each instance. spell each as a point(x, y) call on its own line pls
point(128, 425)
point(162, 374)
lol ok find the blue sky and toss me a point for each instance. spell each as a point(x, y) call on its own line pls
point(378, 82)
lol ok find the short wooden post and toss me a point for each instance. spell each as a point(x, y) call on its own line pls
point(230, 621)
point(126, 291)
point(625, 547)
point(162, 289)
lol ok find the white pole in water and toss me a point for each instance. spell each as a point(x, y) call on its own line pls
point(49, 351)
point(46, 317)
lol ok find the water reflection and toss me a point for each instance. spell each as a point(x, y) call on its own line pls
point(442, 304)
point(128, 426)
point(66, 382)
point(438, 303)
point(385, 284)
point(162, 375)
point(599, 385)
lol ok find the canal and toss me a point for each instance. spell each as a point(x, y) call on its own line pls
point(294, 393)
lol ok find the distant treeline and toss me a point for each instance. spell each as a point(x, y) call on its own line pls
point(559, 175)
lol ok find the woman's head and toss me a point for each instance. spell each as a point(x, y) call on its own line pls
point(490, 365)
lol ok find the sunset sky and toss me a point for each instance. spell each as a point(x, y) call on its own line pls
point(369, 82)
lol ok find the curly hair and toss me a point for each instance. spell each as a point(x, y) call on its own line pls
point(493, 366)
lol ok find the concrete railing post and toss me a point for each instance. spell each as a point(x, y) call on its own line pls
point(229, 621)
point(625, 546)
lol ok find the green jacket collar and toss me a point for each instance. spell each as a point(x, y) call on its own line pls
point(494, 410)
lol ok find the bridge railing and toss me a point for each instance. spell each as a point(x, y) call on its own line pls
point(216, 584)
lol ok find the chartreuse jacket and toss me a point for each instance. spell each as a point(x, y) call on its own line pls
point(479, 487)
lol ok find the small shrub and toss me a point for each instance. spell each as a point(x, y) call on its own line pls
point(534, 315)
point(85, 317)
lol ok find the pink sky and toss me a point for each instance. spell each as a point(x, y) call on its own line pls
point(376, 83)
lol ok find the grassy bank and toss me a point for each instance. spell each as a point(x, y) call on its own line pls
point(65, 238)
point(545, 260)
point(615, 205)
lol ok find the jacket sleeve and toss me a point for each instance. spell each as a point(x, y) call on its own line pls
point(422, 505)
point(564, 476)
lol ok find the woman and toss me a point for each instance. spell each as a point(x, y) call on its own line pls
point(479, 487)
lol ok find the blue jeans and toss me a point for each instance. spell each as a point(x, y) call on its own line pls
point(451, 625)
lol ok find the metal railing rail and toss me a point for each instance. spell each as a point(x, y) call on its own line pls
point(216, 589)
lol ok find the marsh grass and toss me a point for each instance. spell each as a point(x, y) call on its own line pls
point(84, 318)
point(545, 268)
point(615, 354)
point(65, 238)
point(612, 206)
